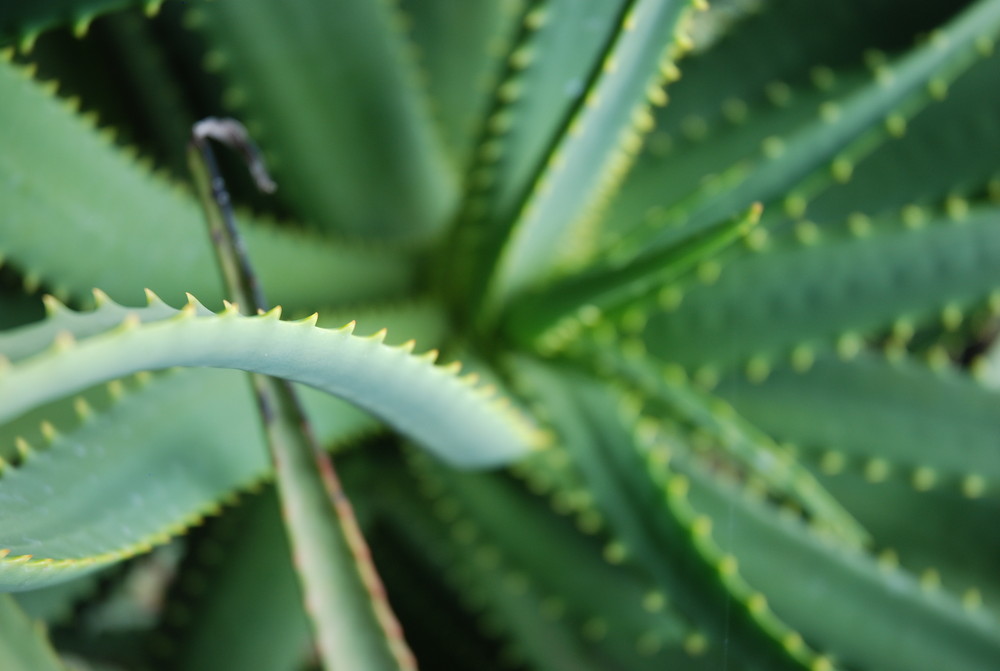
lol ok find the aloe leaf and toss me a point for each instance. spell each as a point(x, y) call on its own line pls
point(654, 520)
point(668, 394)
point(382, 171)
point(888, 507)
point(458, 88)
point(843, 598)
point(24, 21)
point(558, 44)
point(54, 604)
point(827, 287)
point(943, 155)
point(152, 228)
point(344, 596)
point(548, 314)
point(536, 599)
point(718, 114)
point(862, 410)
point(430, 404)
point(170, 421)
point(245, 558)
point(23, 646)
point(901, 88)
point(591, 150)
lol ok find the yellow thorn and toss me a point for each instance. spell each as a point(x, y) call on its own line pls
point(758, 369)
point(895, 125)
point(757, 604)
point(695, 644)
point(152, 8)
point(728, 566)
point(930, 580)
point(973, 486)
point(877, 470)
point(52, 305)
point(116, 389)
point(832, 462)
point(24, 449)
point(151, 297)
point(49, 432)
point(82, 26)
point(822, 663)
point(82, 408)
point(924, 478)
point(972, 600)
point(888, 560)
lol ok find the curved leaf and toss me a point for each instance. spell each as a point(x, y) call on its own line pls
point(430, 404)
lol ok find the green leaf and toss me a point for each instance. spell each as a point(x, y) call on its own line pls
point(851, 124)
point(168, 426)
point(459, 88)
point(226, 625)
point(653, 519)
point(666, 393)
point(380, 170)
point(718, 114)
point(23, 646)
point(23, 21)
point(151, 228)
point(595, 143)
point(863, 613)
point(517, 572)
point(792, 298)
point(552, 314)
point(430, 404)
point(965, 565)
point(943, 155)
point(862, 412)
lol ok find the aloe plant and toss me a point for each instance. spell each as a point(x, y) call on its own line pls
point(723, 282)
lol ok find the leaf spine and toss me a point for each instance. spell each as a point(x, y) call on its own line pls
point(53, 305)
point(273, 314)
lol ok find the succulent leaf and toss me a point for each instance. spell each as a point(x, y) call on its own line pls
point(383, 171)
point(155, 227)
point(22, 645)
